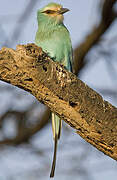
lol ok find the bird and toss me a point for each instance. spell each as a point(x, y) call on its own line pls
point(54, 38)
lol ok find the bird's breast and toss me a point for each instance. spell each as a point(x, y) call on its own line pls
point(54, 48)
point(57, 44)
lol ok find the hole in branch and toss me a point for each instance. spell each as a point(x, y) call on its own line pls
point(28, 79)
point(72, 104)
point(44, 68)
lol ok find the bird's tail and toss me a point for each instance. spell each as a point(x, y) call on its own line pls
point(56, 128)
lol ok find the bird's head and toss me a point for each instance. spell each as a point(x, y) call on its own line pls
point(52, 12)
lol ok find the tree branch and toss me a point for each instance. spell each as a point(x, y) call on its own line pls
point(81, 107)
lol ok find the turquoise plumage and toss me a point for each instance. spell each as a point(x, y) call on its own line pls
point(54, 38)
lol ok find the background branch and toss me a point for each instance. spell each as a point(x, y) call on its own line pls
point(107, 17)
point(24, 132)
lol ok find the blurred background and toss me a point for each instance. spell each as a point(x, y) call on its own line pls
point(26, 142)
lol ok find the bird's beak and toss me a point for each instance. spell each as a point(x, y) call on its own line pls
point(63, 10)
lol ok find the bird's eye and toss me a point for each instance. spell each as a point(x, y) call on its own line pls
point(49, 12)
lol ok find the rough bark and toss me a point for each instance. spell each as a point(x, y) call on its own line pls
point(81, 107)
